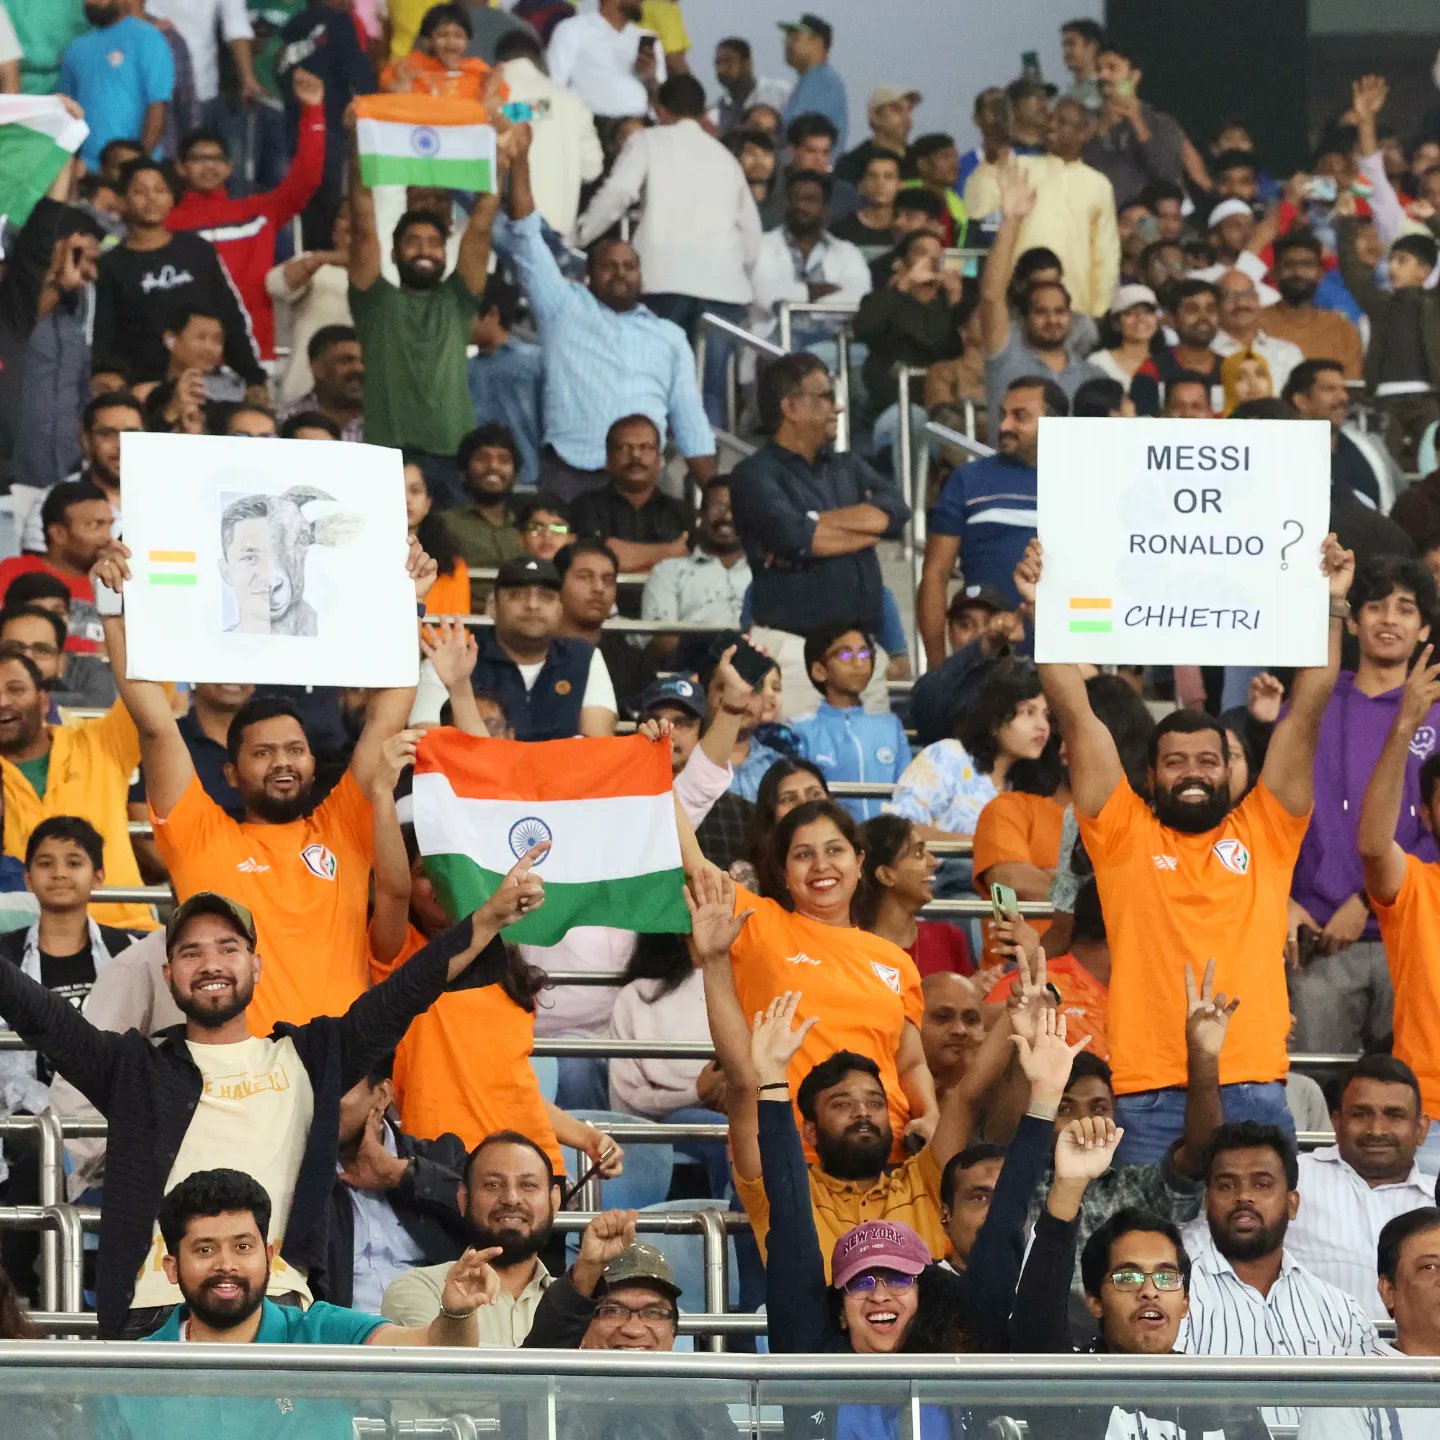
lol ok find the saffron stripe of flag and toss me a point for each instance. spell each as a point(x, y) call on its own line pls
point(172, 567)
point(425, 140)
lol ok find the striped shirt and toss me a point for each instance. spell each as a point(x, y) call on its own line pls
point(1302, 1314)
point(1335, 1233)
point(990, 506)
point(1374, 1422)
point(602, 364)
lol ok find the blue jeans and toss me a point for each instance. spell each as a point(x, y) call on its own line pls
point(710, 1154)
point(584, 1083)
point(1154, 1119)
point(685, 311)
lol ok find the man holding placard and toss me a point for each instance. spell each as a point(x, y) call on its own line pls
point(1185, 878)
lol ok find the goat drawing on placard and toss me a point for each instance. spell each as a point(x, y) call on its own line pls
point(264, 540)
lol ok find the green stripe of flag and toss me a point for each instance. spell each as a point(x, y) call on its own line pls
point(650, 904)
point(418, 170)
point(1090, 627)
point(29, 162)
point(162, 579)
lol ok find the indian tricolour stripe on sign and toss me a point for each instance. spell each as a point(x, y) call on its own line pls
point(38, 137)
point(172, 567)
point(425, 140)
point(606, 807)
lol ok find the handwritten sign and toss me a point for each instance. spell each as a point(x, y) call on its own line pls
point(1193, 542)
point(267, 561)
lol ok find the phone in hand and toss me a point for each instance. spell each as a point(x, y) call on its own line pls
point(1124, 87)
point(750, 664)
point(1322, 187)
point(1004, 903)
point(647, 44)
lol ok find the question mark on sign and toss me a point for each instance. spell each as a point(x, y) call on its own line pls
point(1299, 535)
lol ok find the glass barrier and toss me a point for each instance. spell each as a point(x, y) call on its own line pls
point(82, 1391)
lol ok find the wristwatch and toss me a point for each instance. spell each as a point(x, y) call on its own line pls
point(1339, 609)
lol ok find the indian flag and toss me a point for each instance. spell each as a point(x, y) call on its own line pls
point(425, 140)
point(605, 806)
point(173, 567)
point(38, 137)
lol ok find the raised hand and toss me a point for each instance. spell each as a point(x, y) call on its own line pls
point(309, 88)
point(1422, 688)
point(1085, 1148)
point(1027, 572)
point(1046, 1061)
point(714, 925)
point(1264, 698)
point(519, 894)
point(1030, 999)
point(395, 754)
point(1015, 936)
point(472, 1282)
point(1017, 195)
point(451, 648)
point(1368, 96)
point(735, 691)
point(421, 569)
point(773, 1044)
point(1337, 564)
point(1207, 1015)
point(608, 1236)
point(654, 730)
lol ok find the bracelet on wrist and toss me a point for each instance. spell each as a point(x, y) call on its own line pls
point(456, 1314)
point(776, 1085)
point(1339, 609)
point(1041, 1111)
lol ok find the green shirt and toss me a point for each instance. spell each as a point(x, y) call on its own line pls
point(44, 28)
point(268, 18)
point(37, 772)
point(482, 543)
point(416, 396)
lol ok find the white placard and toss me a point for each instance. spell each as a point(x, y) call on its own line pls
point(1187, 542)
point(267, 562)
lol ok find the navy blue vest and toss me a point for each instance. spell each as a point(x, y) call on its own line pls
point(550, 709)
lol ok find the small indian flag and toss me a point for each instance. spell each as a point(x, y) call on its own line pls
point(605, 806)
point(38, 136)
point(425, 140)
point(172, 567)
point(1090, 615)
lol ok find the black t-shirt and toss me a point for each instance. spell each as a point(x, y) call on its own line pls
point(851, 165)
point(853, 229)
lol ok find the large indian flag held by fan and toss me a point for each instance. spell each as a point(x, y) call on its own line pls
point(605, 806)
point(38, 136)
point(425, 140)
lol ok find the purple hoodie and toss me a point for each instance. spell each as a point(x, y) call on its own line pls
point(1352, 734)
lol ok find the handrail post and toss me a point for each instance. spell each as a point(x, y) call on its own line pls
point(717, 1271)
point(732, 390)
point(842, 391)
point(64, 1228)
point(785, 330)
point(904, 467)
point(702, 344)
point(52, 1175)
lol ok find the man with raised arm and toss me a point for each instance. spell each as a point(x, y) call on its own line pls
point(1404, 891)
point(1184, 878)
point(304, 870)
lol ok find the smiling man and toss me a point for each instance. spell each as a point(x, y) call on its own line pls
point(210, 1091)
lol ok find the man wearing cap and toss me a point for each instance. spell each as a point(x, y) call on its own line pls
point(892, 112)
point(980, 628)
point(820, 89)
point(1231, 227)
point(1074, 210)
point(211, 1092)
point(553, 687)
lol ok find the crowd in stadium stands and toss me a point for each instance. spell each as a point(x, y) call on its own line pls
point(1035, 1135)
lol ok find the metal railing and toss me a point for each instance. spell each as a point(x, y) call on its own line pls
point(715, 324)
point(787, 310)
point(489, 573)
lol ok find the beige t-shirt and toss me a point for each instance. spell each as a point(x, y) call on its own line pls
point(254, 1115)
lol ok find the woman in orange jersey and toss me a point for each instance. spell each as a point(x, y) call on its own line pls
point(450, 594)
point(438, 65)
point(445, 1082)
point(863, 990)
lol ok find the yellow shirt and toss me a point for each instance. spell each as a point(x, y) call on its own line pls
point(405, 18)
point(1074, 216)
point(909, 1193)
point(665, 19)
point(91, 764)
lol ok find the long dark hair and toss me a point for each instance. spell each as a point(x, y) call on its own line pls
point(434, 537)
point(663, 959)
point(1006, 688)
point(14, 1323)
point(766, 798)
point(883, 838)
point(523, 981)
point(1128, 719)
point(807, 814)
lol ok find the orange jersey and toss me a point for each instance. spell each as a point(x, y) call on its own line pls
point(307, 883)
point(1173, 899)
point(1083, 1000)
point(448, 1082)
point(1410, 928)
point(1016, 826)
point(421, 74)
point(450, 594)
point(862, 988)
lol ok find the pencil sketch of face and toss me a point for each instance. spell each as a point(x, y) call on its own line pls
point(247, 565)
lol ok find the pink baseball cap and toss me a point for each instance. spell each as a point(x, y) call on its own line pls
point(877, 1245)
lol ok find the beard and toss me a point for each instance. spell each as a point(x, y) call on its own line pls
point(1193, 817)
point(859, 1153)
point(514, 1247)
point(101, 16)
point(280, 809)
point(1264, 1241)
point(488, 494)
point(223, 1315)
point(1297, 292)
point(413, 277)
point(209, 1017)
